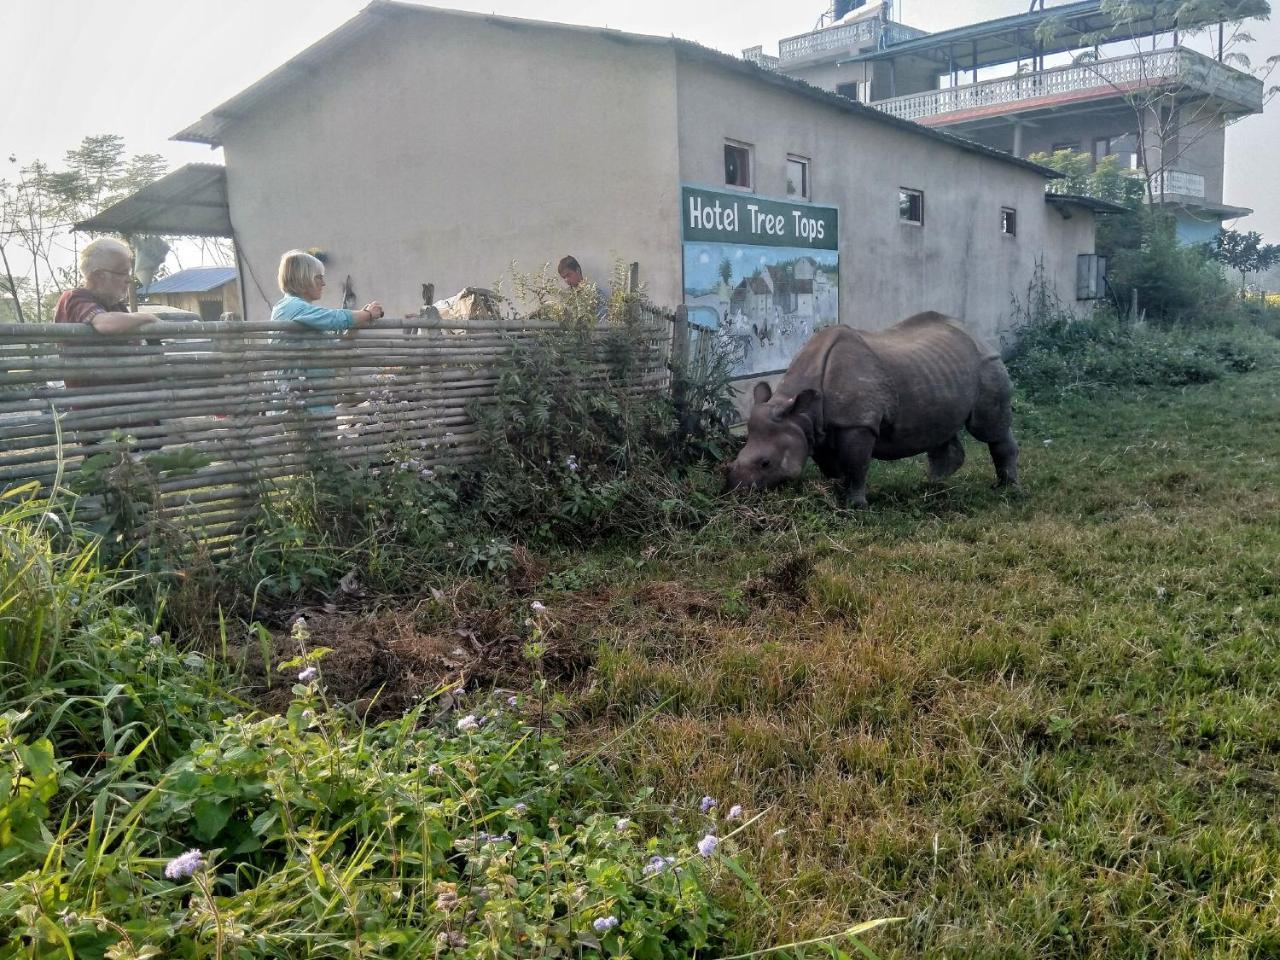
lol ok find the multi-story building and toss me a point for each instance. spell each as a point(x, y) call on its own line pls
point(1065, 76)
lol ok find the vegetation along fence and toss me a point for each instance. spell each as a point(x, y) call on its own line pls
point(213, 416)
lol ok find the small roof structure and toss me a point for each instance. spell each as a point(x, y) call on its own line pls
point(210, 128)
point(1068, 26)
point(192, 280)
point(190, 202)
point(1064, 201)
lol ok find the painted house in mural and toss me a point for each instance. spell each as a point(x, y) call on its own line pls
point(1157, 95)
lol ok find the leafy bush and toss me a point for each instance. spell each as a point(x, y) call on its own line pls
point(84, 668)
point(1173, 282)
point(576, 446)
point(1059, 354)
point(476, 836)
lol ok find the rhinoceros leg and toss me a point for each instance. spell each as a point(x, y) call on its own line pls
point(946, 459)
point(991, 422)
point(853, 448)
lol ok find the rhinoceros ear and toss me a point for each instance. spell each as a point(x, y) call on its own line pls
point(804, 403)
point(762, 393)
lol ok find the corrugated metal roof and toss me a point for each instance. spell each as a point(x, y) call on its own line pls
point(190, 202)
point(210, 127)
point(192, 280)
point(1006, 38)
point(1088, 203)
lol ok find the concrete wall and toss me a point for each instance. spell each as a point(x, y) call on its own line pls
point(440, 148)
point(958, 263)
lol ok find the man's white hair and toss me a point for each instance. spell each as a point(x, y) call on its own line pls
point(105, 253)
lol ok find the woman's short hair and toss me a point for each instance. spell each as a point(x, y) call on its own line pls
point(297, 269)
point(103, 254)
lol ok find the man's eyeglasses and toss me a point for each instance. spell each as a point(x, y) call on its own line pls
point(119, 273)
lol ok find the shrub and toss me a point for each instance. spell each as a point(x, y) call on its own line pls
point(1059, 354)
point(475, 836)
point(81, 664)
point(579, 443)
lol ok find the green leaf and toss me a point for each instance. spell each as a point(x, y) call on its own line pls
point(211, 816)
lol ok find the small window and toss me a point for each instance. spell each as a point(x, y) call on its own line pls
point(849, 90)
point(1009, 221)
point(737, 165)
point(798, 177)
point(911, 206)
point(1091, 276)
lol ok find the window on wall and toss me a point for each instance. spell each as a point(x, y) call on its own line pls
point(849, 90)
point(1091, 276)
point(911, 206)
point(1009, 221)
point(737, 165)
point(797, 177)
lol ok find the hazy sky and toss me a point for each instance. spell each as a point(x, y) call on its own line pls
point(147, 68)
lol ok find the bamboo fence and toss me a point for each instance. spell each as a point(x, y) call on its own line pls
point(251, 405)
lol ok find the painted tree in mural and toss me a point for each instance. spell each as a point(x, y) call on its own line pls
point(38, 206)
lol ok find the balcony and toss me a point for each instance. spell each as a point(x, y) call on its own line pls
point(1098, 79)
point(1177, 183)
point(845, 38)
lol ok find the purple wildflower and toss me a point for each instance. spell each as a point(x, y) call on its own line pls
point(183, 866)
point(706, 804)
point(622, 824)
point(603, 925)
point(538, 607)
point(707, 845)
point(735, 812)
point(469, 723)
point(657, 864)
point(513, 701)
point(307, 675)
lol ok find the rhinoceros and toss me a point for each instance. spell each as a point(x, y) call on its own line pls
point(851, 396)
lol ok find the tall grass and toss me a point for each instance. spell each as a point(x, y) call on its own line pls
point(49, 583)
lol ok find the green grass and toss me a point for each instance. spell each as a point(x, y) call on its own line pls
point(1037, 725)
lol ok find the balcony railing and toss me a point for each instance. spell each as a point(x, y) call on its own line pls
point(858, 35)
point(1178, 182)
point(1112, 77)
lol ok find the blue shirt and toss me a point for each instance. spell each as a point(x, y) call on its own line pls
point(297, 310)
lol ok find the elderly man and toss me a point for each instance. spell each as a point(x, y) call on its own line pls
point(107, 268)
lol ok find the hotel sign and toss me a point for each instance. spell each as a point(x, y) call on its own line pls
point(711, 216)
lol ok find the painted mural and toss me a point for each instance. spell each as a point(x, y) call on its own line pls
point(760, 276)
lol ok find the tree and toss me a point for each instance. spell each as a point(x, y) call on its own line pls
point(1245, 252)
point(39, 205)
point(1171, 115)
point(726, 270)
point(1146, 264)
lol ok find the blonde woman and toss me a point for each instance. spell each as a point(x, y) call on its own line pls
point(302, 283)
